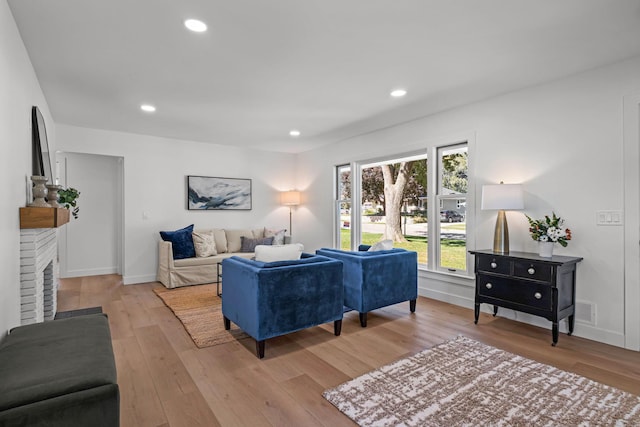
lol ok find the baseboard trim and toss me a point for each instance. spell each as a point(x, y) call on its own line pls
point(446, 297)
point(142, 278)
point(89, 272)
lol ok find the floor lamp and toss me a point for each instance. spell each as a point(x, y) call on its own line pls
point(290, 198)
point(502, 197)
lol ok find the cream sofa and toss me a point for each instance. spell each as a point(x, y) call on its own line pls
point(174, 273)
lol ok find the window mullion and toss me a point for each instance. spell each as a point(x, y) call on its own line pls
point(433, 211)
point(356, 205)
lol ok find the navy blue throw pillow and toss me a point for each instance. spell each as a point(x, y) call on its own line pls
point(182, 242)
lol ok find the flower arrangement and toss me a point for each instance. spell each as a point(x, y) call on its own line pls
point(549, 230)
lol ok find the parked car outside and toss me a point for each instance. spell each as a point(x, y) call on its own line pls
point(451, 216)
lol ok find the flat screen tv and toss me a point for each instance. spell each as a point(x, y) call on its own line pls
point(41, 164)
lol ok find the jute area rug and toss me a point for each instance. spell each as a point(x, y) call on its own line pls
point(200, 311)
point(465, 383)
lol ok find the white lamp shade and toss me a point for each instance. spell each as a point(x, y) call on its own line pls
point(502, 197)
point(290, 198)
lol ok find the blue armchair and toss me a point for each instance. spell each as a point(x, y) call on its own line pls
point(377, 279)
point(267, 300)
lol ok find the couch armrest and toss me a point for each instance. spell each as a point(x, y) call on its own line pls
point(165, 255)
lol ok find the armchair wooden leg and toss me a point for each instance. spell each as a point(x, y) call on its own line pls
point(227, 323)
point(412, 305)
point(260, 349)
point(363, 320)
point(337, 327)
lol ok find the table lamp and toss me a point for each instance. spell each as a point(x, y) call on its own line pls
point(502, 197)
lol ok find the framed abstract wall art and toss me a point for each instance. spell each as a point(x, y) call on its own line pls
point(213, 193)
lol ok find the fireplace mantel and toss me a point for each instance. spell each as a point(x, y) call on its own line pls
point(32, 217)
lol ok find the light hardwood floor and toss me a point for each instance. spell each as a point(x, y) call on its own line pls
point(165, 380)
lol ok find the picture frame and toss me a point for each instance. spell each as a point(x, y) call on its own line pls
point(215, 193)
point(41, 157)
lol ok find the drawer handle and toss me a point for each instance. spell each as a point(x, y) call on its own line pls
point(494, 265)
point(538, 295)
point(489, 285)
point(531, 270)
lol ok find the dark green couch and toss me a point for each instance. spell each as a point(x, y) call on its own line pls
point(59, 373)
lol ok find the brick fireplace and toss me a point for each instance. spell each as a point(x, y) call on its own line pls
point(38, 274)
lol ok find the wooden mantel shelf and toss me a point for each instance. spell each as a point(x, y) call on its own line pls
point(31, 217)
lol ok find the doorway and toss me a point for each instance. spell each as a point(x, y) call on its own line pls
point(92, 243)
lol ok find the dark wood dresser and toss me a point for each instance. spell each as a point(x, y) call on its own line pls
point(528, 283)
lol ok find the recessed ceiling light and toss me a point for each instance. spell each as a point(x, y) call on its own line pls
point(398, 93)
point(148, 108)
point(195, 25)
point(294, 132)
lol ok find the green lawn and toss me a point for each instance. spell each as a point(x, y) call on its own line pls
point(453, 251)
point(453, 226)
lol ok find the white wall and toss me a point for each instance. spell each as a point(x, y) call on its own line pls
point(155, 171)
point(100, 202)
point(20, 91)
point(562, 140)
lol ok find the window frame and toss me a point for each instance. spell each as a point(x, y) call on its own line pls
point(430, 151)
point(338, 201)
point(441, 198)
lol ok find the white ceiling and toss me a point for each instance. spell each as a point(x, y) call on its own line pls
point(325, 67)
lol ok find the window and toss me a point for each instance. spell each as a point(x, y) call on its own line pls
point(452, 197)
point(389, 199)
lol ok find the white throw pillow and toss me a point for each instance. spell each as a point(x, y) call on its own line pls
point(382, 245)
point(278, 236)
point(279, 253)
point(221, 240)
point(204, 243)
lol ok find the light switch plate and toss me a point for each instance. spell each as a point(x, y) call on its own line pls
point(609, 218)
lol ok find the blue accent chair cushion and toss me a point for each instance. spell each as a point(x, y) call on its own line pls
point(377, 279)
point(269, 299)
point(181, 242)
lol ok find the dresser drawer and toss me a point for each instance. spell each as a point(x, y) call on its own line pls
point(536, 295)
point(532, 270)
point(492, 264)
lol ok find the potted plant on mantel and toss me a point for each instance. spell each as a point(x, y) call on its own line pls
point(67, 198)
